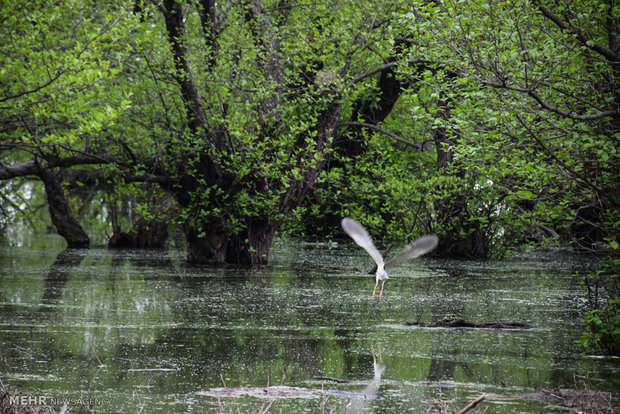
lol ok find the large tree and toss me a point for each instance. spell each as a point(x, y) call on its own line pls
point(230, 106)
point(265, 86)
point(519, 100)
point(56, 96)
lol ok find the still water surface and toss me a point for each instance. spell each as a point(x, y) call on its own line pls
point(134, 331)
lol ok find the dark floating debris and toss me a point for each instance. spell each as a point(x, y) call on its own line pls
point(337, 380)
point(462, 323)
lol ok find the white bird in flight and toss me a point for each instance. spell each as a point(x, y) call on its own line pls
point(415, 249)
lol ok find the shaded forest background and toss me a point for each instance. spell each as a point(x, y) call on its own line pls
point(492, 124)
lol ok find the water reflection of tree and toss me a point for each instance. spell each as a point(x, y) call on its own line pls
point(441, 368)
point(58, 276)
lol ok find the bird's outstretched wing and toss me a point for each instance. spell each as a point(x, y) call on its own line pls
point(362, 238)
point(415, 249)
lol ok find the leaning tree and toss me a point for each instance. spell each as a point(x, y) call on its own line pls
point(57, 96)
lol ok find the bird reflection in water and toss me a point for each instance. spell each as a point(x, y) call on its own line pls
point(359, 403)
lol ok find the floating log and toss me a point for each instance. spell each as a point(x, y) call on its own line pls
point(462, 323)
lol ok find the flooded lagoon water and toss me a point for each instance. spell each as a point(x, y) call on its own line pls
point(132, 331)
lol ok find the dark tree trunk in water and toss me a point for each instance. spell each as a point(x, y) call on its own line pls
point(60, 210)
point(250, 246)
point(149, 234)
point(253, 244)
point(143, 235)
point(205, 246)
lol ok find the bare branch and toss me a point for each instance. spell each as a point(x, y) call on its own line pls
point(570, 115)
point(32, 167)
point(473, 404)
point(383, 131)
point(382, 68)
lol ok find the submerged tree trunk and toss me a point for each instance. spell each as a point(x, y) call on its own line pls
point(143, 235)
point(150, 234)
point(60, 210)
point(205, 246)
point(253, 244)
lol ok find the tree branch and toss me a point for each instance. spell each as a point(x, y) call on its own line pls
point(206, 11)
point(383, 131)
point(32, 167)
point(531, 93)
point(38, 88)
point(473, 404)
point(382, 68)
point(177, 33)
point(571, 115)
point(609, 54)
point(587, 182)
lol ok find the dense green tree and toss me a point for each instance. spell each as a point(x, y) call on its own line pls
point(56, 95)
point(520, 102)
point(231, 107)
point(534, 110)
point(265, 86)
point(488, 123)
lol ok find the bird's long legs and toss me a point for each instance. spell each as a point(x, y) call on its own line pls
point(374, 292)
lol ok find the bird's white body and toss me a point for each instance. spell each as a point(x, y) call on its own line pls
point(415, 249)
point(381, 273)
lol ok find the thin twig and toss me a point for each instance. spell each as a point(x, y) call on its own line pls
point(95, 353)
point(383, 131)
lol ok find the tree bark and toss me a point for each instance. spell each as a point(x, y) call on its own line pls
point(206, 246)
point(32, 167)
point(60, 210)
point(253, 244)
